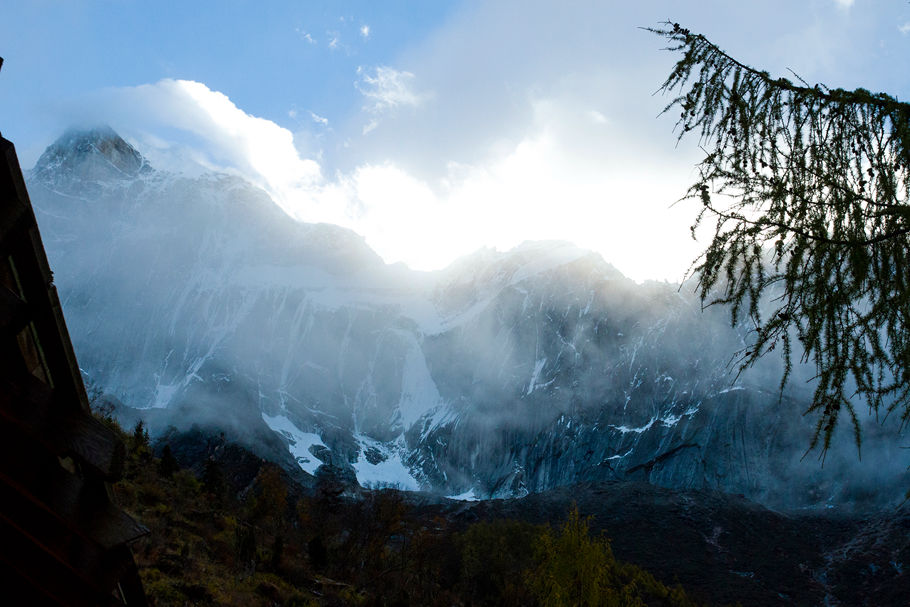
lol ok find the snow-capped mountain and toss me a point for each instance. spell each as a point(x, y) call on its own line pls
point(199, 301)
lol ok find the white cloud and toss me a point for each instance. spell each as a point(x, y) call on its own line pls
point(522, 140)
point(305, 35)
point(533, 191)
point(365, 31)
point(905, 28)
point(597, 117)
point(319, 119)
point(539, 188)
point(388, 88)
point(844, 4)
point(541, 126)
point(211, 131)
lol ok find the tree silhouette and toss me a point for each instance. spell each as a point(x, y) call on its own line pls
point(168, 464)
point(807, 191)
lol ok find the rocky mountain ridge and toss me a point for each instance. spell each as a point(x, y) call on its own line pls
point(197, 300)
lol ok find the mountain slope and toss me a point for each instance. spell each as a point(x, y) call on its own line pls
point(198, 301)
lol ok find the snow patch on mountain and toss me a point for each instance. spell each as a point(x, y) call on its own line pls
point(300, 443)
point(380, 465)
point(164, 394)
point(538, 367)
point(626, 429)
point(436, 419)
point(419, 394)
point(467, 496)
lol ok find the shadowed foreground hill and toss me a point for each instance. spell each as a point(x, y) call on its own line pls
point(232, 529)
point(229, 528)
point(727, 549)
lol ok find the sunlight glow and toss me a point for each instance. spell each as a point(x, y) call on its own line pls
point(537, 189)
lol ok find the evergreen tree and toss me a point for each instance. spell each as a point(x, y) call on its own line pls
point(268, 503)
point(140, 439)
point(214, 482)
point(168, 464)
point(807, 190)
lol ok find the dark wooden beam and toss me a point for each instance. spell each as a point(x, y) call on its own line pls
point(13, 313)
point(34, 409)
point(80, 503)
point(62, 541)
point(21, 240)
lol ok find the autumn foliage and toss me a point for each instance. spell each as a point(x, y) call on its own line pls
point(272, 544)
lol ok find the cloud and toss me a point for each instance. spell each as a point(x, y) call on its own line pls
point(905, 28)
point(493, 131)
point(305, 35)
point(597, 117)
point(844, 4)
point(365, 31)
point(319, 119)
point(253, 145)
point(386, 90)
point(542, 187)
point(206, 127)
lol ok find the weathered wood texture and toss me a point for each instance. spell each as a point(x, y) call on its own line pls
point(62, 541)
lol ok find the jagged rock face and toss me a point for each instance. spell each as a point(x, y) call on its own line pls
point(94, 158)
point(503, 374)
point(585, 375)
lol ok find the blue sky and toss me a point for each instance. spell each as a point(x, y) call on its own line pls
point(432, 128)
point(268, 57)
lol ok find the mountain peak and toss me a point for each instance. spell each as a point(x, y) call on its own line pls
point(95, 154)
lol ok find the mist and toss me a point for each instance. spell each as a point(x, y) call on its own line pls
point(195, 300)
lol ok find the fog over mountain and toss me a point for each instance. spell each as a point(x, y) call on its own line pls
point(198, 301)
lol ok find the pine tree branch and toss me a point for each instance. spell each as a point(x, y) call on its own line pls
point(841, 96)
point(819, 182)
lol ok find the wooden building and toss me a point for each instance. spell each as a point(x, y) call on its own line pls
point(62, 540)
